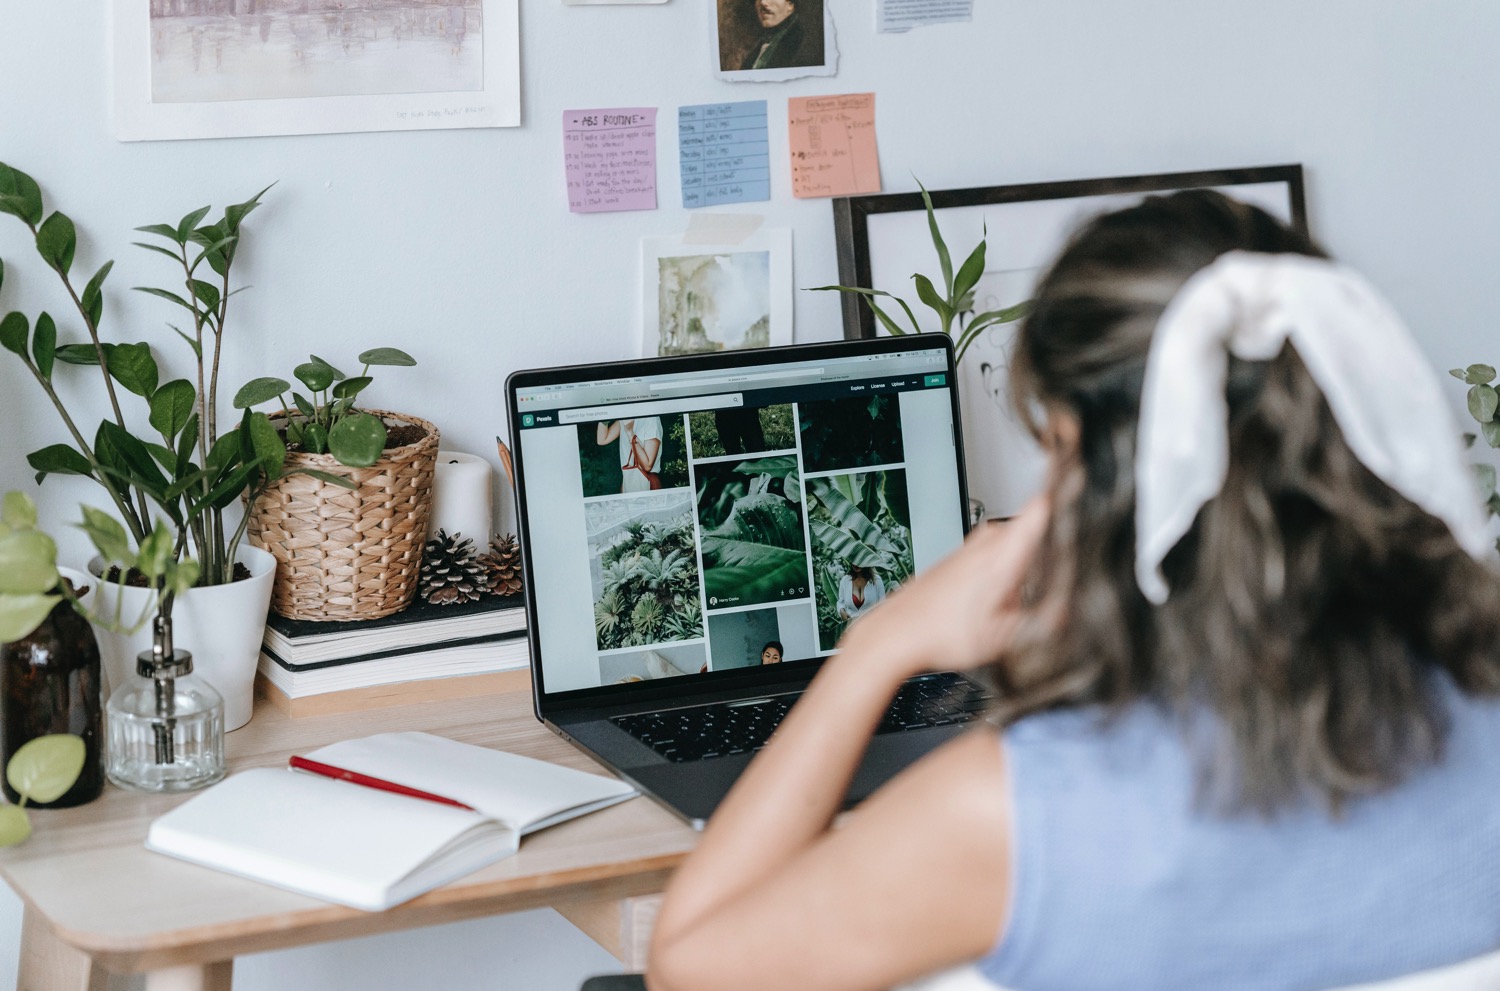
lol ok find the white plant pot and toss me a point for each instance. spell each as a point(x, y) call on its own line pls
point(220, 625)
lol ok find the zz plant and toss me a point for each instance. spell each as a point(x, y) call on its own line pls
point(326, 421)
point(183, 464)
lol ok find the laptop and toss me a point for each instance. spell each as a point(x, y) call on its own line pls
point(698, 531)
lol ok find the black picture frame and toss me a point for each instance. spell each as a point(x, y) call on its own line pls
point(852, 231)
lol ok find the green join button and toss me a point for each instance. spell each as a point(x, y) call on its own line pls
point(935, 380)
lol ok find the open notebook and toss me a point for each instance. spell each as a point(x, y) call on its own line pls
point(428, 811)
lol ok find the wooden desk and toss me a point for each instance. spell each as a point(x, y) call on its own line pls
point(97, 901)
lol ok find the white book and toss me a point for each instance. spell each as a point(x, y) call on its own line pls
point(364, 844)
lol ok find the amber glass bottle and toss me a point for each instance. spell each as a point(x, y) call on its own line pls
point(50, 683)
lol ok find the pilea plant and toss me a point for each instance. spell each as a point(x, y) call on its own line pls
point(183, 465)
point(327, 421)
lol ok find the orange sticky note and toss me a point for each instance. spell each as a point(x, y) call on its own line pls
point(833, 145)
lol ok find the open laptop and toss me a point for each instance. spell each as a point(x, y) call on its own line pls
point(697, 532)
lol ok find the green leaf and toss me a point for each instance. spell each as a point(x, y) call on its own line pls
point(118, 448)
point(1457, 373)
point(59, 459)
point(319, 361)
point(386, 356)
point(315, 438)
point(14, 331)
point(269, 448)
point(18, 510)
point(93, 294)
point(45, 768)
point(234, 215)
point(159, 250)
point(186, 441)
point(349, 388)
point(929, 295)
point(107, 535)
point(164, 456)
point(207, 293)
point(162, 230)
point(261, 390)
point(165, 294)
point(155, 553)
point(1491, 432)
point(317, 376)
point(1484, 477)
point(186, 224)
point(1483, 401)
point(28, 563)
point(56, 240)
point(1479, 374)
point(44, 345)
point(191, 342)
point(19, 195)
point(937, 240)
point(82, 354)
point(229, 487)
point(134, 368)
point(21, 614)
point(969, 273)
point(224, 455)
point(357, 440)
point(328, 477)
point(304, 405)
point(14, 826)
point(171, 406)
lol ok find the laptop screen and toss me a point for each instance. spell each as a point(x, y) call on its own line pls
point(685, 517)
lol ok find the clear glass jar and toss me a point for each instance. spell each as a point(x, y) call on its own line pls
point(166, 729)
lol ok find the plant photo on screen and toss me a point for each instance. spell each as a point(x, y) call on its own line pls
point(861, 543)
point(750, 513)
point(851, 433)
point(742, 430)
point(643, 570)
point(632, 455)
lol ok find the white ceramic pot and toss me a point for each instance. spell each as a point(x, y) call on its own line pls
point(220, 625)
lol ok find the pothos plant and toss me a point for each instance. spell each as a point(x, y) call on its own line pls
point(952, 302)
point(327, 422)
point(184, 465)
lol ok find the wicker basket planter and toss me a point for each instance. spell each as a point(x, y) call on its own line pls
point(345, 554)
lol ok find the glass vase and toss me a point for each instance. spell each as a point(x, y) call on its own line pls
point(50, 683)
point(166, 728)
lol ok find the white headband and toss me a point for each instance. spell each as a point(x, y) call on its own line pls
point(1383, 394)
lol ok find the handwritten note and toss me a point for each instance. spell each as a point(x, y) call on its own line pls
point(611, 159)
point(833, 145)
point(903, 15)
point(726, 153)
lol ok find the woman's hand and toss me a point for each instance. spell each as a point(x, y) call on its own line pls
point(961, 613)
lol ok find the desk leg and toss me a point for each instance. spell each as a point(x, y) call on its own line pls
point(622, 927)
point(196, 977)
point(49, 964)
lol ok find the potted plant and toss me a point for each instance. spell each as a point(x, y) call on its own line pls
point(178, 463)
point(347, 521)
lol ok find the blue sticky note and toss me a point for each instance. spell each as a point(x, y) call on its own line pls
point(726, 153)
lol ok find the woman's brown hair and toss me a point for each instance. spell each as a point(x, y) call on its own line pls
point(1311, 604)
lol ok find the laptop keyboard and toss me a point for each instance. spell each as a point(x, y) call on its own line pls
point(706, 731)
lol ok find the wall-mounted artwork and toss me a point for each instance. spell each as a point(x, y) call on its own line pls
point(706, 297)
point(883, 240)
point(237, 68)
point(773, 40)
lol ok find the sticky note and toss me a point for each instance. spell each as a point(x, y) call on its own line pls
point(726, 153)
point(611, 159)
point(903, 15)
point(833, 145)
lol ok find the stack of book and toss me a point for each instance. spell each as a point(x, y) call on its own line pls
point(300, 659)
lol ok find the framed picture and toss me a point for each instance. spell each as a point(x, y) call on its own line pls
point(698, 296)
point(883, 239)
point(773, 40)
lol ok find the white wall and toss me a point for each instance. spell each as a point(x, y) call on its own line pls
point(457, 245)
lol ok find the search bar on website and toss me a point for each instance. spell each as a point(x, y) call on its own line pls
point(631, 411)
point(693, 383)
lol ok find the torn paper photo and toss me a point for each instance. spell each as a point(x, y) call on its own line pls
point(716, 297)
point(773, 40)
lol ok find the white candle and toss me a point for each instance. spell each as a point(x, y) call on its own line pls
point(462, 497)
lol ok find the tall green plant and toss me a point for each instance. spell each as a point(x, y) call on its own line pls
point(183, 465)
point(953, 302)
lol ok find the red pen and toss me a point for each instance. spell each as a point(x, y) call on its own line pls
point(354, 777)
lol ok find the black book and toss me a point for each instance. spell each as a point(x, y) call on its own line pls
point(421, 626)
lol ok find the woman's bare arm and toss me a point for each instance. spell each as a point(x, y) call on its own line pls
point(607, 432)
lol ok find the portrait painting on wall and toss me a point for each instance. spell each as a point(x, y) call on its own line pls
point(234, 68)
point(772, 40)
point(706, 297)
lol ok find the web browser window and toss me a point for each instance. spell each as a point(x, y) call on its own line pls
point(713, 520)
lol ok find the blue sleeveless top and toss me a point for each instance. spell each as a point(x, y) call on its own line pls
point(1120, 882)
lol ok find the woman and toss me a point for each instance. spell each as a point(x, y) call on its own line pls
point(859, 591)
point(1250, 691)
point(771, 652)
point(640, 443)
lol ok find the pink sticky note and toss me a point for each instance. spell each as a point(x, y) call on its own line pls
point(833, 145)
point(611, 159)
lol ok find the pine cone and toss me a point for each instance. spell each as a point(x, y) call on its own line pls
point(502, 566)
point(450, 574)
